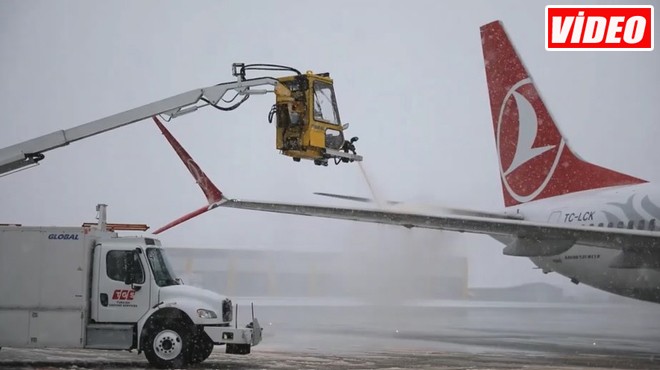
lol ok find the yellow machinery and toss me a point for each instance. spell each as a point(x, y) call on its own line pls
point(307, 120)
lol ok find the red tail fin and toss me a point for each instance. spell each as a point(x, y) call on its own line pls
point(212, 193)
point(535, 160)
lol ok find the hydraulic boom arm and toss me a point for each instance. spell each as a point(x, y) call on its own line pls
point(30, 152)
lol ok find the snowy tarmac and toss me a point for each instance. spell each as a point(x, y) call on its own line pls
point(314, 334)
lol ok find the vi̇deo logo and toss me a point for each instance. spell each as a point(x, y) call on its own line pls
point(599, 27)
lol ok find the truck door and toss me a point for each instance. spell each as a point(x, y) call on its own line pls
point(124, 284)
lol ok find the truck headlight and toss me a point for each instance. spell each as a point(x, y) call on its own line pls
point(206, 314)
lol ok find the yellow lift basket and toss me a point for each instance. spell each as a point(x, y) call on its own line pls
point(307, 120)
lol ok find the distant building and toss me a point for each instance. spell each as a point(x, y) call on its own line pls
point(532, 292)
point(276, 273)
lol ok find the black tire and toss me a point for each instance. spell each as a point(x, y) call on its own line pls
point(201, 349)
point(168, 345)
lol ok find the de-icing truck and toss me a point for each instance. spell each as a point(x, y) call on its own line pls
point(88, 287)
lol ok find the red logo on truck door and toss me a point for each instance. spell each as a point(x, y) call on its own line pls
point(123, 295)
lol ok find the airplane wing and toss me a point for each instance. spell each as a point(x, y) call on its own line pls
point(522, 238)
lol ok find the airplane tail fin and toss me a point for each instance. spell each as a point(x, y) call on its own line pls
point(213, 195)
point(535, 159)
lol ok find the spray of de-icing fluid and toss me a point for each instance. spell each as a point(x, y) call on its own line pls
point(390, 265)
point(376, 197)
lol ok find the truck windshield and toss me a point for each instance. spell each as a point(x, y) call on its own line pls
point(163, 272)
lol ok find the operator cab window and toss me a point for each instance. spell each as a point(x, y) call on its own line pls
point(325, 105)
point(119, 263)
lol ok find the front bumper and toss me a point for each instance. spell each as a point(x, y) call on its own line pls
point(250, 335)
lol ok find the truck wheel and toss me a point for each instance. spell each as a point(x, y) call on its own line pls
point(201, 349)
point(168, 345)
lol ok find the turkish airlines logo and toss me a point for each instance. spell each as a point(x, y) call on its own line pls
point(599, 27)
point(123, 295)
point(528, 158)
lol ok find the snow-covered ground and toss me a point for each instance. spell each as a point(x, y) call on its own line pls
point(468, 335)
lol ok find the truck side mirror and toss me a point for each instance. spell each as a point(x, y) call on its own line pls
point(133, 271)
point(131, 274)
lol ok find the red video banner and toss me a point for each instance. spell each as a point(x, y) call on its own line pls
point(593, 27)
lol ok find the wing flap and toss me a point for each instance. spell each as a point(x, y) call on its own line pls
point(450, 210)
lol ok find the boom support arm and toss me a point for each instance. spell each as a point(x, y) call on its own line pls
point(28, 153)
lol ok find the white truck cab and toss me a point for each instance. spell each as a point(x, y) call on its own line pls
point(87, 287)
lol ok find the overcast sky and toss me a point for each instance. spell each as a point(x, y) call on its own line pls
point(408, 77)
